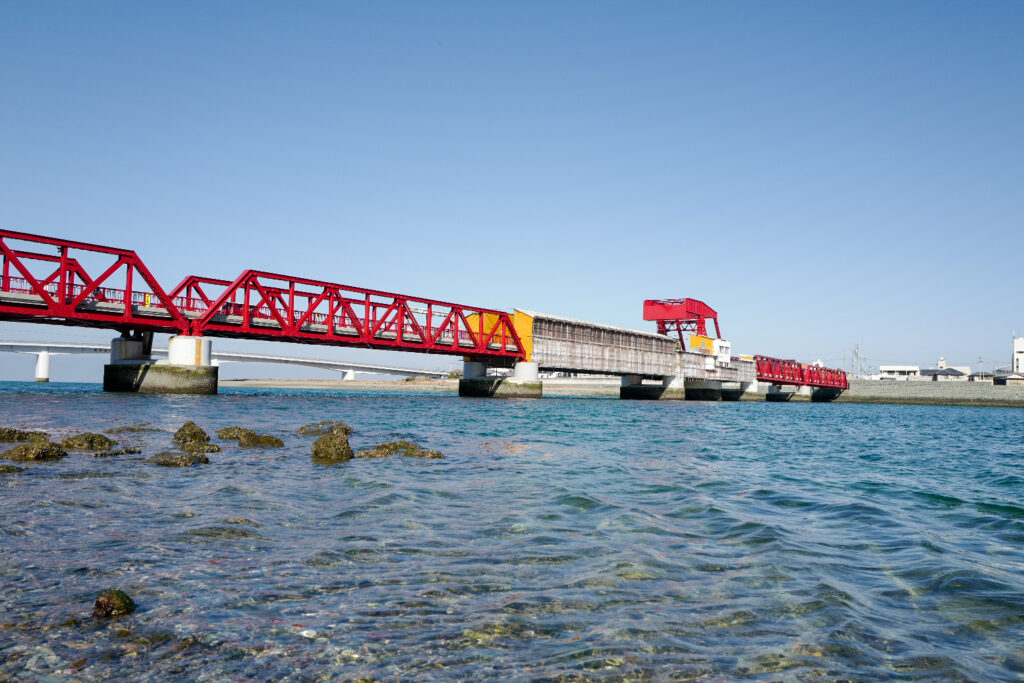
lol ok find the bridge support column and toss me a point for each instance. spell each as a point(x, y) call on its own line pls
point(703, 390)
point(187, 370)
point(348, 376)
point(670, 388)
point(43, 366)
point(741, 391)
point(825, 394)
point(780, 394)
point(523, 383)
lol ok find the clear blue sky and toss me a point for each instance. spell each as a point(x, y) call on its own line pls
point(821, 173)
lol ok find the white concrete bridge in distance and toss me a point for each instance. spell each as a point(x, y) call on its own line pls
point(44, 350)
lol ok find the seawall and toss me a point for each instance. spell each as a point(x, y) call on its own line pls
point(933, 393)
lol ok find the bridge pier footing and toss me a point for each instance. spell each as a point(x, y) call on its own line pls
point(523, 383)
point(634, 389)
point(188, 369)
point(825, 394)
point(740, 391)
point(703, 390)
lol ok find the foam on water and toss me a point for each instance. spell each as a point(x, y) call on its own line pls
point(558, 539)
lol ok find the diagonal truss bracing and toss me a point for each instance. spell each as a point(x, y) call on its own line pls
point(39, 287)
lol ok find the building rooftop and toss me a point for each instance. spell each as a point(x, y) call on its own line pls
point(946, 372)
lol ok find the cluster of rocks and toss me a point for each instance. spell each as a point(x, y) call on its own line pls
point(193, 443)
point(333, 445)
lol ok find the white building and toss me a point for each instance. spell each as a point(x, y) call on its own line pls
point(961, 372)
point(899, 372)
point(1017, 362)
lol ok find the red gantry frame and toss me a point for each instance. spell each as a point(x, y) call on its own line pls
point(59, 289)
point(681, 315)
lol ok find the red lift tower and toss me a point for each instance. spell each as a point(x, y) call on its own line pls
point(681, 315)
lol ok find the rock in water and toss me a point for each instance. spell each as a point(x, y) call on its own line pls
point(325, 427)
point(171, 459)
point(87, 441)
point(11, 435)
point(332, 447)
point(251, 439)
point(113, 603)
point(199, 447)
point(234, 432)
point(10, 469)
point(119, 451)
point(406, 448)
point(191, 433)
point(36, 450)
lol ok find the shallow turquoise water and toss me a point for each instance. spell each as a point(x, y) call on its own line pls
point(559, 539)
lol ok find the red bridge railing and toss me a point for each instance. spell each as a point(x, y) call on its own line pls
point(778, 371)
point(96, 286)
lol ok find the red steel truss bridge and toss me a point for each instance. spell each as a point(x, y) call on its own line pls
point(778, 371)
point(63, 282)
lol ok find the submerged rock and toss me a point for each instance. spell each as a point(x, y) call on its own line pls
point(11, 435)
point(406, 448)
point(251, 439)
point(240, 520)
point(325, 427)
point(191, 433)
point(36, 450)
point(113, 603)
point(119, 451)
point(10, 469)
point(234, 432)
point(172, 459)
point(198, 447)
point(130, 430)
point(87, 441)
point(333, 447)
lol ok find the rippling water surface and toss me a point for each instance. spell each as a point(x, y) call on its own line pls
point(559, 539)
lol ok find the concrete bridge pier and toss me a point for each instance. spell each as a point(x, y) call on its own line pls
point(825, 394)
point(524, 382)
point(781, 393)
point(187, 370)
point(740, 391)
point(703, 390)
point(43, 366)
point(670, 388)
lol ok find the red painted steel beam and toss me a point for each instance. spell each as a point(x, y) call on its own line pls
point(778, 371)
point(262, 305)
point(681, 315)
point(58, 289)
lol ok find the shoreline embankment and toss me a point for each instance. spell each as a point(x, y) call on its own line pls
point(933, 393)
point(860, 391)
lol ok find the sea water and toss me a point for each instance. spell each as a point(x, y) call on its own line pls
point(559, 539)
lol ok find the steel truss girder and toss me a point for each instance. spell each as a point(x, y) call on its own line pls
point(58, 289)
point(778, 371)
